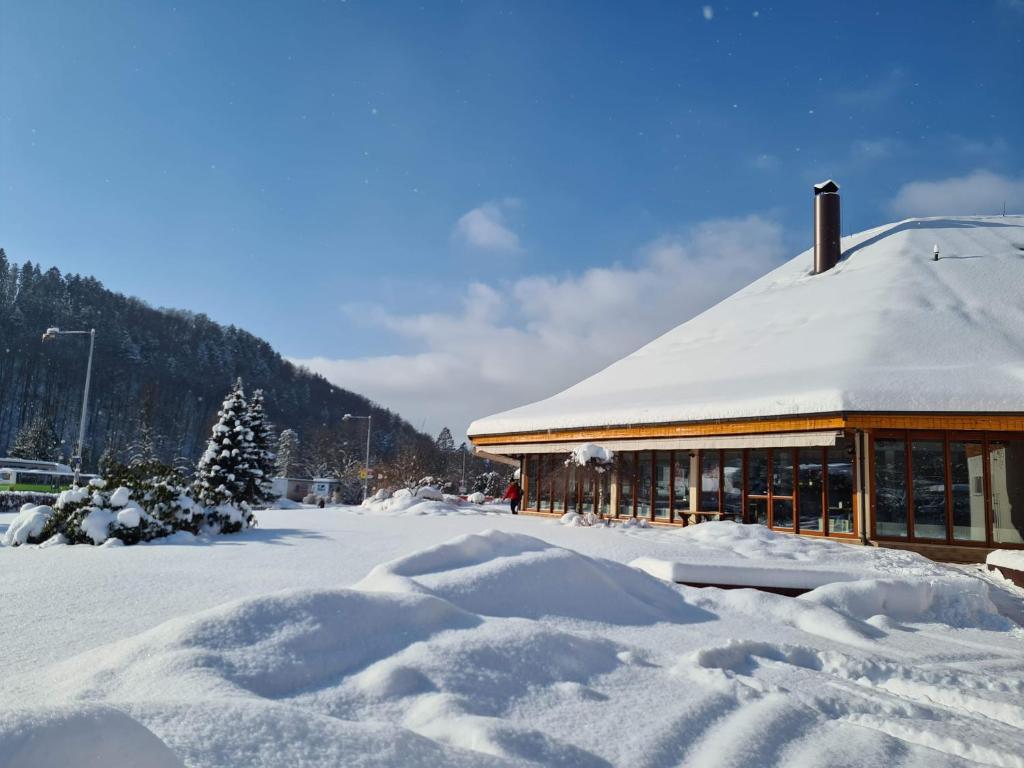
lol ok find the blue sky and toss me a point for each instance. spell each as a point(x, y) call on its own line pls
point(388, 190)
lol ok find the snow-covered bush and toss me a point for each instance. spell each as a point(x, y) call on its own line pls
point(12, 500)
point(28, 526)
point(93, 514)
point(132, 504)
point(429, 492)
point(591, 455)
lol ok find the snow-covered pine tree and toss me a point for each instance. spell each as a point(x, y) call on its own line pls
point(223, 470)
point(260, 488)
point(37, 440)
point(287, 453)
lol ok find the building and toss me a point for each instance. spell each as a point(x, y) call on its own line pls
point(293, 488)
point(867, 390)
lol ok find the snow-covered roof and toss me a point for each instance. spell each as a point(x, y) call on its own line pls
point(887, 329)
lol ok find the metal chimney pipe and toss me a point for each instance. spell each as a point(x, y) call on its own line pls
point(826, 226)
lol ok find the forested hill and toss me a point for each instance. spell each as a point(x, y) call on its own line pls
point(161, 371)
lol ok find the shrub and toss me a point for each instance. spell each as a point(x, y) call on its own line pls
point(12, 500)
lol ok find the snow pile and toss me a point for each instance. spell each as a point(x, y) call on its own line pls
point(476, 498)
point(29, 524)
point(576, 520)
point(955, 600)
point(1011, 559)
point(506, 574)
point(492, 648)
point(80, 735)
point(426, 500)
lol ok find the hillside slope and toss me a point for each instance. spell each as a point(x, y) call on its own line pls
point(167, 369)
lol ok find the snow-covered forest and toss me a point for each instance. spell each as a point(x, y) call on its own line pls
point(158, 378)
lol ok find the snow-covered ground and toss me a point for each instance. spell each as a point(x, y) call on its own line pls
point(428, 635)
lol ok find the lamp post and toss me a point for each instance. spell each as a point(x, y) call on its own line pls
point(369, 426)
point(51, 334)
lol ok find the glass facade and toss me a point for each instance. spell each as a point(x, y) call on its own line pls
point(840, 487)
point(757, 472)
point(544, 493)
point(710, 480)
point(811, 483)
point(962, 488)
point(1006, 477)
point(644, 477)
point(967, 486)
point(732, 484)
point(626, 485)
point(681, 483)
point(663, 485)
point(928, 473)
point(890, 484)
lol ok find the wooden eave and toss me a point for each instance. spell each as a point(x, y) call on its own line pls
point(983, 422)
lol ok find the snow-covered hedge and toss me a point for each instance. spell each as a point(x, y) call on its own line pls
point(134, 504)
point(12, 500)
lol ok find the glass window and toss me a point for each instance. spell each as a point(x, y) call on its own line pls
point(840, 486)
point(531, 482)
point(732, 483)
point(709, 481)
point(644, 468)
point(928, 471)
point(558, 483)
point(1006, 475)
point(810, 482)
point(544, 495)
point(757, 472)
point(626, 487)
point(782, 472)
point(662, 485)
point(587, 483)
point(782, 513)
point(890, 487)
point(681, 491)
point(967, 489)
point(604, 484)
point(571, 480)
point(757, 510)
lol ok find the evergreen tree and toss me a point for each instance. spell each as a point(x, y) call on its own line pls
point(287, 453)
point(445, 447)
point(223, 471)
point(261, 465)
point(37, 440)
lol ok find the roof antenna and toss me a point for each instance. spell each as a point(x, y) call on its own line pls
point(1004, 208)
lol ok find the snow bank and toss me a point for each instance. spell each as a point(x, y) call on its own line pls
point(1012, 559)
point(499, 649)
point(506, 574)
point(29, 523)
point(425, 501)
point(958, 601)
point(79, 735)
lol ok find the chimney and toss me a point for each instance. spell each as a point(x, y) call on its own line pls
point(826, 226)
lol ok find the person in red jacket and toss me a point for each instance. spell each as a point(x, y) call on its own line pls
point(514, 494)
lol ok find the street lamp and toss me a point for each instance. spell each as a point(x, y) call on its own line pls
point(369, 426)
point(51, 334)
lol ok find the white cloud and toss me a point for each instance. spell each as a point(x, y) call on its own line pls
point(503, 346)
point(708, 12)
point(980, 192)
point(876, 149)
point(485, 228)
